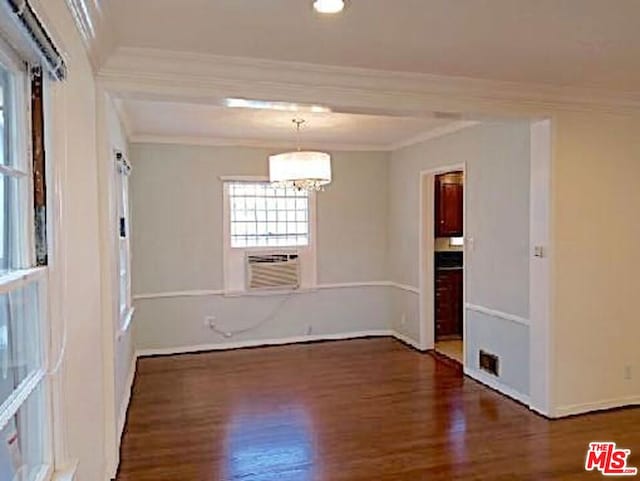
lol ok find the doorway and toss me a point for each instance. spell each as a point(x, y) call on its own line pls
point(442, 293)
point(449, 264)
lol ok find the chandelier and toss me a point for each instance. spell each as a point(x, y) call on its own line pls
point(301, 169)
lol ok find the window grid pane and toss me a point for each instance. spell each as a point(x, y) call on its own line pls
point(265, 216)
point(25, 437)
point(20, 337)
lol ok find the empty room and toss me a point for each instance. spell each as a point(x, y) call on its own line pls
point(319, 240)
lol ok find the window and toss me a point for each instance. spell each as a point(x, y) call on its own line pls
point(262, 218)
point(123, 169)
point(267, 216)
point(25, 429)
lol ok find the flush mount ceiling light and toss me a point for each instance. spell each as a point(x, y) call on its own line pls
point(300, 169)
point(328, 6)
point(239, 103)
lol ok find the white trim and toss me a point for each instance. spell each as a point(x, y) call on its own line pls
point(169, 294)
point(10, 406)
point(541, 354)
point(496, 385)
point(123, 116)
point(255, 143)
point(262, 342)
point(124, 406)
point(407, 340)
point(426, 267)
point(572, 409)
point(499, 314)
point(433, 134)
point(10, 171)
point(203, 77)
point(222, 292)
point(244, 178)
point(352, 285)
point(126, 322)
point(404, 287)
point(269, 292)
point(85, 23)
point(66, 474)
point(16, 279)
point(45, 473)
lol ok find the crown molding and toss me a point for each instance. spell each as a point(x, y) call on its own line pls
point(210, 78)
point(123, 116)
point(254, 143)
point(434, 133)
point(95, 29)
point(274, 144)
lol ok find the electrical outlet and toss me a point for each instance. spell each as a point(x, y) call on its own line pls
point(309, 330)
point(209, 321)
point(627, 372)
point(403, 319)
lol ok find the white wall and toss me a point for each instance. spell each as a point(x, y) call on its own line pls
point(118, 362)
point(176, 199)
point(73, 127)
point(497, 219)
point(595, 262)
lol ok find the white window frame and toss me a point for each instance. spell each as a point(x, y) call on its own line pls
point(125, 306)
point(234, 257)
point(22, 271)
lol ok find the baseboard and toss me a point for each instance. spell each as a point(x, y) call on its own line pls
point(167, 351)
point(124, 406)
point(407, 340)
point(573, 409)
point(496, 385)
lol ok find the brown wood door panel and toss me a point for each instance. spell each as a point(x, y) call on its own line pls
point(449, 201)
point(448, 303)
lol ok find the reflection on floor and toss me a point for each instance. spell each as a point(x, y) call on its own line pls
point(451, 349)
point(344, 411)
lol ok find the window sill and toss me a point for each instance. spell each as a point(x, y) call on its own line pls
point(125, 323)
point(270, 293)
point(66, 474)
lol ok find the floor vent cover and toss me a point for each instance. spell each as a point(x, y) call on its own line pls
point(489, 362)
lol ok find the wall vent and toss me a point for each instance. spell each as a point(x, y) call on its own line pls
point(489, 362)
point(272, 270)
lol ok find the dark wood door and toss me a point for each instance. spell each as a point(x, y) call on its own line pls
point(448, 304)
point(449, 200)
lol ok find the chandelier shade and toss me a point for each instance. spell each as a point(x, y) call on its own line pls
point(307, 170)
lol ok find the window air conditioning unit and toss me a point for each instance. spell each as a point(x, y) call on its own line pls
point(272, 270)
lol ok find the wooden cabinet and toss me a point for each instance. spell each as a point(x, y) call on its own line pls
point(448, 303)
point(449, 199)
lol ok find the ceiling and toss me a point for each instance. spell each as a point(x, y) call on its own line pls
point(160, 121)
point(570, 42)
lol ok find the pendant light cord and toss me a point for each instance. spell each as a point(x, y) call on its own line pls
point(298, 123)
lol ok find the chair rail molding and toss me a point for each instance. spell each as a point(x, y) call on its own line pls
point(221, 292)
point(495, 313)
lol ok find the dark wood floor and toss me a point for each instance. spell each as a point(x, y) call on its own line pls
point(362, 410)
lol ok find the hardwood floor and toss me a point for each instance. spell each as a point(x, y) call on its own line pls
point(452, 349)
point(361, 410)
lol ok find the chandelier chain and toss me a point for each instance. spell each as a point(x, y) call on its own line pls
point(298, 123)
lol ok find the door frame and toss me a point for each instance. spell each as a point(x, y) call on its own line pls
point(426, 242)
point(541, 338)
